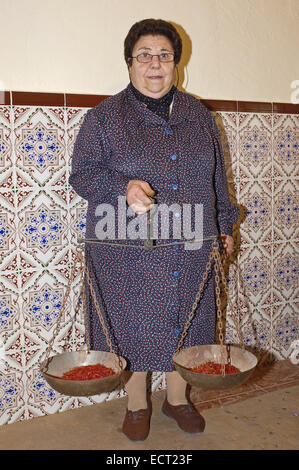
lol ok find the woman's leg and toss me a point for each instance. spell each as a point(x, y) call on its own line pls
point(176, 389)
point(135, 385)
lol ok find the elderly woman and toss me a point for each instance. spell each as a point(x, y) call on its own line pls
point(151, 140)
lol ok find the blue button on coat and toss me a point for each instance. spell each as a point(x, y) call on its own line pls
point(120, 140)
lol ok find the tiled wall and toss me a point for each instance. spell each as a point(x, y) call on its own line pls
point(41, 218)
point(262, 152)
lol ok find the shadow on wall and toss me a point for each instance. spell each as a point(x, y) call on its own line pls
point(186, 54)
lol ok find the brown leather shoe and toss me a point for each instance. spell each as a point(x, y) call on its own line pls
point(136, 424)
point(186, 416)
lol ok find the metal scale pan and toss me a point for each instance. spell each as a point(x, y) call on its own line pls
point(188, 358)
point(56, 366)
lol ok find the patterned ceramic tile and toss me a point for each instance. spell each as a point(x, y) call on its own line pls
point(257, 198)
point(285, 209)
point(41, 218)
point(284, 328)
point(285, 271)
point(9, 315)
point(255, 145)
point(256, 273)
point(285, 144)
point(39, 142)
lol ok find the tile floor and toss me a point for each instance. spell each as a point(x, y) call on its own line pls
point(262, 414)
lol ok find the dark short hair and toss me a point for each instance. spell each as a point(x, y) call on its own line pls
point(152, 27)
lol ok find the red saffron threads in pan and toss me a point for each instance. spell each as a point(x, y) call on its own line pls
point(212, 368)
point(94, 371)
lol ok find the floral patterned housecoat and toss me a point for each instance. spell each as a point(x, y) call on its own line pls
point(147, 295)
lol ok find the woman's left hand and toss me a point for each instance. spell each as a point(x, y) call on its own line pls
point(228, 244)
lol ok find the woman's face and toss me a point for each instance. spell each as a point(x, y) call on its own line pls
point(154, 78)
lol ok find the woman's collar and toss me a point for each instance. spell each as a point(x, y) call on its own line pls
point(182, 109)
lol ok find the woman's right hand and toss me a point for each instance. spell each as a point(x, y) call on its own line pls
point(137, 196)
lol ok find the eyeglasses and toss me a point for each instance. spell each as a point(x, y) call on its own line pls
point(145, 57)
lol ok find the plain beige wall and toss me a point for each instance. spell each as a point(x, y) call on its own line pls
point(234, 49)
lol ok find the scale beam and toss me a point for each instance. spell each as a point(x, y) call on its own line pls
point(149, 244)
